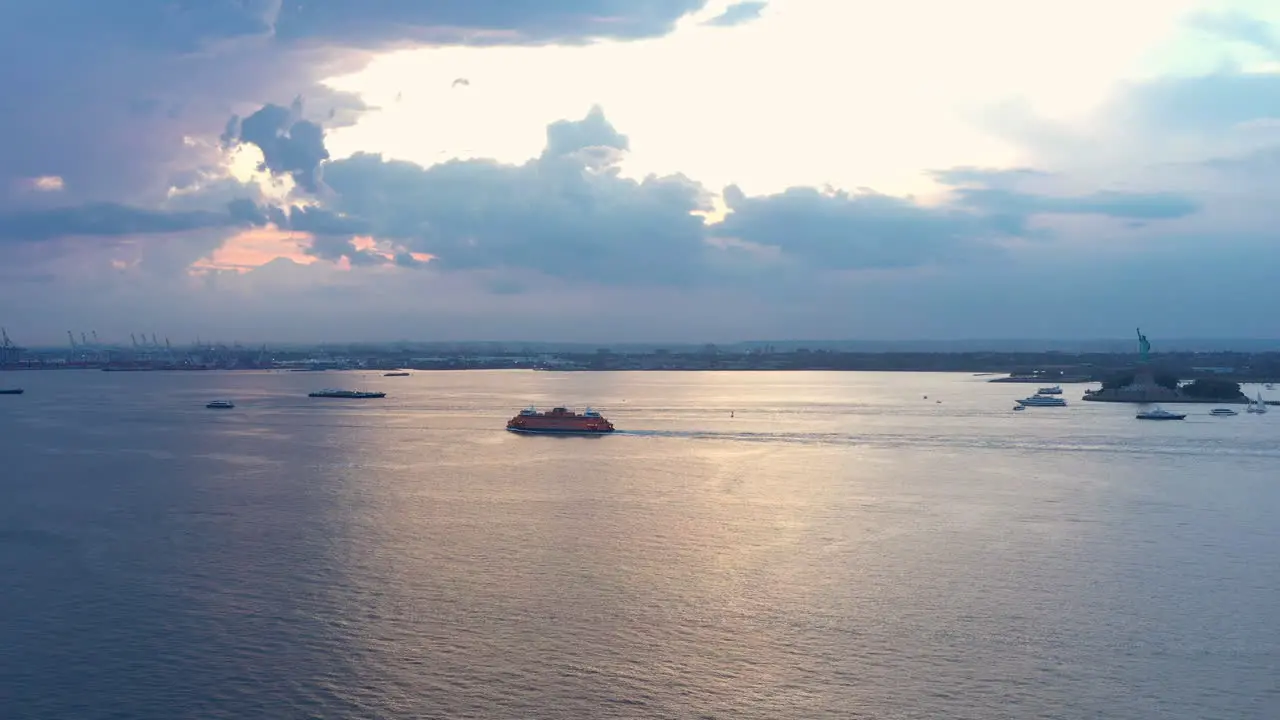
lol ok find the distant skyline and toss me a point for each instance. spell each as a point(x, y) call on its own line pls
point(678, 171)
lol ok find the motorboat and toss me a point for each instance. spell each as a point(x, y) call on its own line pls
point(1223, 412)
point(1159, 414)
point(221, 405)
point(1042, 401)
point(1019, 407)
point(1055, 390)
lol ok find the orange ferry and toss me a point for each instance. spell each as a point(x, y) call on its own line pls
point(560, 421)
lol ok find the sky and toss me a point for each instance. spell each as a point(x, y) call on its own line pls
point(640, 171)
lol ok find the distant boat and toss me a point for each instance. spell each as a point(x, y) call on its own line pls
point(1258, 406)
point(1158, 414)
point(1019, 407)
point(1223, 412)
point(1042, 401)
point(396, 374)
point(1055, 390)
point(11, 391)
point(221, 405)
point(347, 394)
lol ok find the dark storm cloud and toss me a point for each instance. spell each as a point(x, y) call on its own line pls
point(106, 94)
point(113, 220)
point(738, 14)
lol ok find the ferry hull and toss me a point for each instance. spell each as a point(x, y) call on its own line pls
point(558, 431)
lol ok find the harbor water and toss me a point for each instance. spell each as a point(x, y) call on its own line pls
point(748, 545)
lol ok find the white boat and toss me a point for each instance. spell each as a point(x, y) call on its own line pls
point(1042, 401)
point(1223, 412)
point(1158, 414)
point(220, 405)
point(1258, 406)
point(1019, 407)
point(1055, 390)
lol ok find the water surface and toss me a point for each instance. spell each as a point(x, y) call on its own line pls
point(839, 547)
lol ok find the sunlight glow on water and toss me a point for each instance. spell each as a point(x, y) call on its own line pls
point(840, 547)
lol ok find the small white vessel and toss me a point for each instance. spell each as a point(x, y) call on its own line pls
point(220, 405)
point(1042, 401)
point(1055, 390)
point(1019, 407)
point(1258, 406)
point(1158, 414)
point(1223, 412)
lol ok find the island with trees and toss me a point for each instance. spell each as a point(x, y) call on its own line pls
point(1150, 387)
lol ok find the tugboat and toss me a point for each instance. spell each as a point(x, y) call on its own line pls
point(346, 394)
point(1158, 414)
point(560, 421)
point(221, 405)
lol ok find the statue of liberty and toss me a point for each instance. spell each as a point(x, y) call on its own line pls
point(1144, 347)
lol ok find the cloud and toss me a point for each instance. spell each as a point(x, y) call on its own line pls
point(1240, 27)
point(843, 230)
point(114, 187)
point(116, 103)
point(570, 214)
point(480, 22)
point(738, 14)
point(112, 220)
point(289, 145)
point(567, 213)
point(1140, 206)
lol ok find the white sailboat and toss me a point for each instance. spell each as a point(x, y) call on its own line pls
point(1257, 406)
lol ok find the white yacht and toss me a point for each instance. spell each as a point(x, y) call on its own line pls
point(1223, 412)
point(1158, 414)
point(1042, 401)
point(1055, 390)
